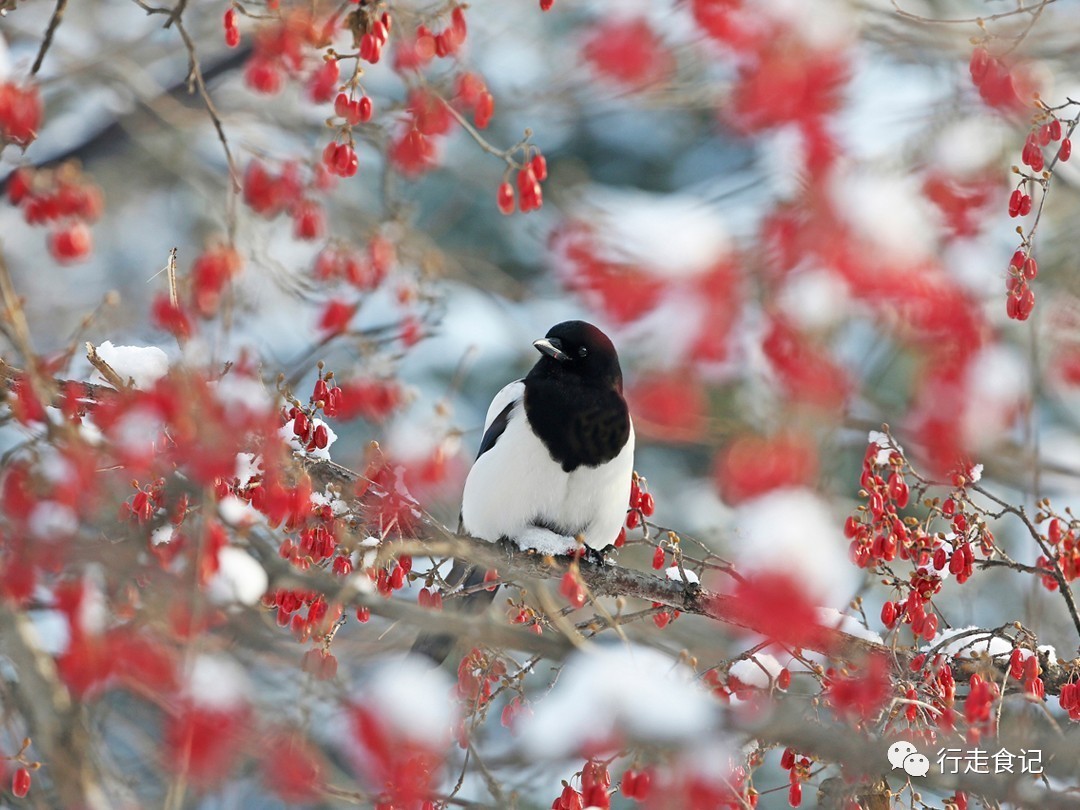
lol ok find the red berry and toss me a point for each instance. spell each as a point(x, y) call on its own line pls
point(1014, 202)
point(1065, 151)
point(20, 783)
point(539, 167)
point(795, 794)
point(1055, 130)
point(545, 5)
point(980, 61)
point(658, 558)
point(485, 108)
point(506, 198)
point(633, 519)
point(648, 504)
point(783, 680)
point(365, 108)
point(71, 244)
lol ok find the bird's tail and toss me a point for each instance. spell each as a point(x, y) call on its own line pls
point(466, 577)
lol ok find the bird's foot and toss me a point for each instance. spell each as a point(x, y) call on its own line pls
point(592, 555)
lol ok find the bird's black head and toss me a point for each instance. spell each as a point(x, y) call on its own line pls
point(576, 349)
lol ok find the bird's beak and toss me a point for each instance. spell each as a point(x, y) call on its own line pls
point(552, 348)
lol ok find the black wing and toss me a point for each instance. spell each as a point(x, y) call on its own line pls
point(496, 428)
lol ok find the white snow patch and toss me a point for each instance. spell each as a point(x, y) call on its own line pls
point(286, 433)
point(961, 641)
point(240, 392)
point(814, 299)
point(759, 670)
point(673, 235)
point(51, 520)
point(162, 535)
point(599, 694)
point(969, 145)
point(545, 541)
point(143, 365)
point(337, 506)
point(414, 698)
point(831, 26)
point(675, 574)
point(887, 210)
point(885, 445)
point(997, 385)
point(240, 579)
point(834, 619)
point(248, 465)
point(975, 473)
point(792, 530)
point(218, 683)
point(238, 512)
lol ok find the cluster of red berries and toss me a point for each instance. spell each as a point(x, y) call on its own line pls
point(642, 503)
point(312, 436)
point(145, 502)
point(993, 78)
point(215, 267)
point(1024, 667)
point(280, 48)
point(595, 782)
point(923, 587)
point(320, 663)
point(343, 261)
point(477, 673)
point(978, 706)
point(636, 784)
point(523, 614)
point(939, 686)
point(798, 769)
point(340, 158)
point(387, 580)
point(1019, 297)
point(1069, 699)
point(884, 536)
point(530, 195)
point(1066, 554)
point(269, 195)
point(62, 198)
point(290, 605)
point(430, 599)
point(232, 33)
point(375, 38)
point(1041, 136)
point(471, 93)
point(20, 114)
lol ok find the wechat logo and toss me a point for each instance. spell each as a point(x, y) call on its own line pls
point(904, 755)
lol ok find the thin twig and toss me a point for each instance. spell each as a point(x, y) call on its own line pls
point(54, 23)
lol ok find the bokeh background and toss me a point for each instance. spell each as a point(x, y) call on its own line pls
point(791, 216)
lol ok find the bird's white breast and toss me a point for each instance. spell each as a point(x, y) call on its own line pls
point(517, 483)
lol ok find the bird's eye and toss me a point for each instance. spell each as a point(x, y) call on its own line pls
point(582, 352)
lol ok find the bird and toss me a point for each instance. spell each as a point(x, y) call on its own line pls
point(555, 463)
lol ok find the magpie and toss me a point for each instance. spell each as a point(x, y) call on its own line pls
point(555, 462)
